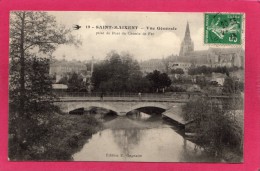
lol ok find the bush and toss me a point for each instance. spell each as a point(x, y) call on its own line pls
point(215, 128)
point(176, 89)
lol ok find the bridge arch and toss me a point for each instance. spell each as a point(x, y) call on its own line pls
point(145, 105)
point(92, 104)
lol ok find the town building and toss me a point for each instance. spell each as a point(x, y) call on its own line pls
point(60, 68)
point(213, 57)
point(188, 57)
point(151, 65)
point(218, 78)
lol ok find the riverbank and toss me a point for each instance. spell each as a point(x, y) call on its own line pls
point(69, 135)
point(218, 131)
point(65, 136)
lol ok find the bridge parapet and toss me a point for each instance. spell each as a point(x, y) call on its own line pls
point(172, 95)
point(125, 95)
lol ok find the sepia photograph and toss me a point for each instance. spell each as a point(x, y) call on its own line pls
point(126, 86)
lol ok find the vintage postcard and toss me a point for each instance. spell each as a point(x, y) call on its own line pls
point(126, 86)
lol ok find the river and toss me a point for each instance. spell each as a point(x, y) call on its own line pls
point(141, 139)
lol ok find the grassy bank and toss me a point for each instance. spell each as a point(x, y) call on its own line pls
point(66, 134)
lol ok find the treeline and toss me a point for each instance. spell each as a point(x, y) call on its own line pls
point(209, 70)
point(121, 73)
point(117, 73)
point(177, 71)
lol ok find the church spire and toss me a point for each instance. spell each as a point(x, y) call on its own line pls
point(187, 45)
point(187, 32)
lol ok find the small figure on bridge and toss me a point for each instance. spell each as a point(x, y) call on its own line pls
point(140, 96)
point(101, 96)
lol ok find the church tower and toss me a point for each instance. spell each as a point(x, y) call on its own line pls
point(187, 45)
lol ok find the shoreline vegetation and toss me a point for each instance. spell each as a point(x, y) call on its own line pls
point(65, 136)
point(218, 129)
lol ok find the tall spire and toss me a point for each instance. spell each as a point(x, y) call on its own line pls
point(187, 32)
point(187, 45)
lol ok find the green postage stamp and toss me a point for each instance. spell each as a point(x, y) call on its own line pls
point(223, 28)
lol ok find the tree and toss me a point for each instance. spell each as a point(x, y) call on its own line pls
point(63, 80)
point(33, 37)
point(166, 62)
point(75, 83)
point(177, 71)
point(154, 78)
point(214, 127)
point(158, 80)
point(118, 73)
point(208, 70)
point(232, 86)
point(34, 33)
point(40, 85)
point(165, 81)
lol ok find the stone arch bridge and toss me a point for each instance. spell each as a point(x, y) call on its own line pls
point(124, 103)
point(121, 107)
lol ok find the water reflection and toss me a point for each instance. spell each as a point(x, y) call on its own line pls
point(141, 116)
point(126, 139)
point(140, 138)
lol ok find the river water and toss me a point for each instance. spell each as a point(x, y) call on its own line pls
point(143, 139)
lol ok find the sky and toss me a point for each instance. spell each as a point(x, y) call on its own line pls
point(143, 47)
